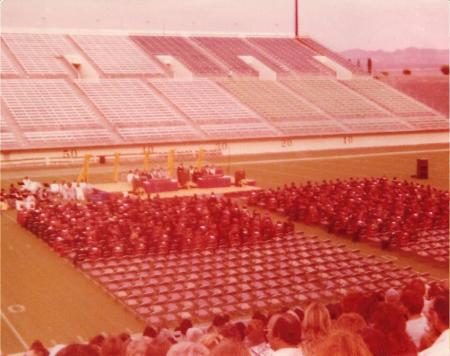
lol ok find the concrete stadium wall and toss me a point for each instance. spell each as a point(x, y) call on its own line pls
point(188, 151)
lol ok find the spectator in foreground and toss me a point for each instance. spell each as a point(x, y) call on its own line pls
point(230, 348)
point(315, 326)
point(188, 348)
point(284, 335)
point(439, 322)
point(78, 350)
point(416, 325)
point(391, 321)
point(256, 339)
point(351, 322)
point(342, 343)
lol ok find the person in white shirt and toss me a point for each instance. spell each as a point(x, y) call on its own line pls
point(438, 321)
point(79, 192)
point(30, 202)
point(417, 324)
point(255, 339)
point(54, 187)
point(26, 183)
point(284, 334)
point(130, 177)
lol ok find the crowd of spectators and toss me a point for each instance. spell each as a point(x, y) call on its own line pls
point(361, 208)
point(358, 325)
point(131, 226)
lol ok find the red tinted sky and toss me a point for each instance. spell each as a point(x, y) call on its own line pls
point(340, 24)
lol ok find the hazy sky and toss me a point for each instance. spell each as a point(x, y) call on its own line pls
point(339, 24)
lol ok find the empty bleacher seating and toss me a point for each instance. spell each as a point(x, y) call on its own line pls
point(41, 54)
point(69, 137)
point(228, 49)
point(284, 110)
point(180, 48)
point(322, 50)
point(117, 55)
point(271, 100)
point(376, 125)
point(159, 134)
point(7, 140)
point(216, 111)
point(129, 102)
point(41, 104)
point(428, 122)
point(389, 98)
point(334, 98)
point(7, 67)
point(291, 53)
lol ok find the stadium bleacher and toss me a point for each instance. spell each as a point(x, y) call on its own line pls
point(41, 104)
point(296, 56)
point(8, 70)
point(334, 98)
point(183, 51)
point(228, 49)
point(322, 50)
point(117, 55)
point(41, 54)
point(394, 101)
point(129, 103)
point(306, 100)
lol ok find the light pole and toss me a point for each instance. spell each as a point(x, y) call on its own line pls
point(296, 18)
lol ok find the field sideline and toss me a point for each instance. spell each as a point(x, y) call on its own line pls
point(44, 297)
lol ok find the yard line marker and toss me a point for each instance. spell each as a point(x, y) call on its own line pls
point(14, 330)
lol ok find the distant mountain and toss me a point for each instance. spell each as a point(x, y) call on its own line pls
point(412, 58)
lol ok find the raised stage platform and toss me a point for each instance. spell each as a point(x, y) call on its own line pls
point(125, 188)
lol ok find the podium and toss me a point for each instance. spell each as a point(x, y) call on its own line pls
point(422, 169)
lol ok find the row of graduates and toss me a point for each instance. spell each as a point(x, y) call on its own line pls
point(361, 208)
point(130, 226)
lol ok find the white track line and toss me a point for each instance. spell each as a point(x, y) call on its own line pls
point(14, 330)
point(320, 158)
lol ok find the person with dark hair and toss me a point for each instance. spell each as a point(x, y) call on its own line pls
point(416, 325)
point(112, 346)
point(284, 333)
point(149, 331)
point(391, 321)
point(439, 322)
point(184, 326)
point(375, 341)
point(37, 349)
point(256, 340)
point(78, 350)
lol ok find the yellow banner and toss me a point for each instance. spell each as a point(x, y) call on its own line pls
point(170, 163)
point(146, 160)
point(84, 175)
point(116, 167)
